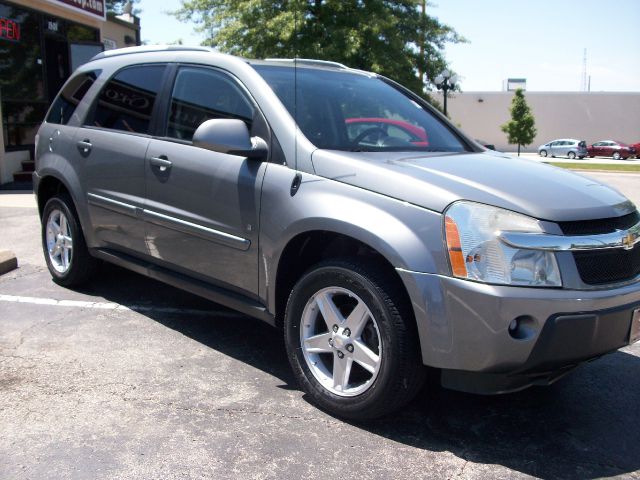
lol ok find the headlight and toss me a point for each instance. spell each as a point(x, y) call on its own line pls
point(476, 253)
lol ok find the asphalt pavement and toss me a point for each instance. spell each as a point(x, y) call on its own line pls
point(128, 378)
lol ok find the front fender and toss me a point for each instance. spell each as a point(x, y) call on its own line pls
point(408, 236)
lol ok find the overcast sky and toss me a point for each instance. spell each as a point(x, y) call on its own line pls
point(540, 40)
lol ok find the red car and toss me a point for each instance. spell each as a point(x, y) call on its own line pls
point(637, 147)
point(362, 128)
point(611, 148)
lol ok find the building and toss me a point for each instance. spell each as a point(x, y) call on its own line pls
point(513, 84)
point(589, 116)
point(41, 43)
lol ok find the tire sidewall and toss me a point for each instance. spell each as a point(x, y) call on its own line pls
point(310, 284)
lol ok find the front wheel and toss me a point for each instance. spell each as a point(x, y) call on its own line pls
point(63, 243)
point(616, 155)
point(351, 340)
point(543, 153)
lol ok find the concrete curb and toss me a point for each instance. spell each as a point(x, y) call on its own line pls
point(8, 261)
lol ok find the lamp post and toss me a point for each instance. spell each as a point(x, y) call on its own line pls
point(446, 81)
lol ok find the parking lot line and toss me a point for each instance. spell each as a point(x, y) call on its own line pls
point(115, 306)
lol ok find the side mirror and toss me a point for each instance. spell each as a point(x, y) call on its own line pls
point(231, 136)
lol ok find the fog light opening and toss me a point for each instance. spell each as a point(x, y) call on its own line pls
point(522, 327)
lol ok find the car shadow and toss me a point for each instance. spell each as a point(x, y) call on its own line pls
point(585, 426)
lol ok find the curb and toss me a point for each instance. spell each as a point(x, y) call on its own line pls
point(8, 261)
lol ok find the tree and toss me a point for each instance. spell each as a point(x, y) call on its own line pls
point(521, 129)
point(377, 35)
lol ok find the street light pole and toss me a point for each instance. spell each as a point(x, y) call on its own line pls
point(446, 81)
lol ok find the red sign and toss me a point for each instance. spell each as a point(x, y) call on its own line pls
point(95, 8)
point(9, 29)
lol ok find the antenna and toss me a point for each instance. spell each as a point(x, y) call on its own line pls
point(583, 79)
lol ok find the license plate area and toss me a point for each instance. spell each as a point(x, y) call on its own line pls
point(634, 334)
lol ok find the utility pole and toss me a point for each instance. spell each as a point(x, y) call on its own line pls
point(422, 40)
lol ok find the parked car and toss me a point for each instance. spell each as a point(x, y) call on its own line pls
point(372, 131)
point(564, 147)
point(611, 148)
point(200, 170)
point(636, 147)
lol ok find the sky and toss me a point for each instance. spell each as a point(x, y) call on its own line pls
point(540, 40)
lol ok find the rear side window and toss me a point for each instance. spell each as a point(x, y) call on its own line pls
point(126, 101)
point(200, 94)
point(70, 96)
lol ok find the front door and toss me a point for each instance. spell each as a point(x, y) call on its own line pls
point(202, 207)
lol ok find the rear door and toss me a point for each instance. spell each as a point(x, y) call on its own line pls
point(111, 148)
point(202, 207)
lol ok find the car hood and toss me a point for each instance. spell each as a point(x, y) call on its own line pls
point(435, 180)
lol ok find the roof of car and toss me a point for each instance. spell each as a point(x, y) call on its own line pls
point(290, 62)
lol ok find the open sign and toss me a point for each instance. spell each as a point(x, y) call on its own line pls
point(9, 29)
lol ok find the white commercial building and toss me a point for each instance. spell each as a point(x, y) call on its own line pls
point(589, 116)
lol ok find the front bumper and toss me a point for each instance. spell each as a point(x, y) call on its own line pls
point(464, 329)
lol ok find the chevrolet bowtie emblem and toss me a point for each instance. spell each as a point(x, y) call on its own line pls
point(628, 241)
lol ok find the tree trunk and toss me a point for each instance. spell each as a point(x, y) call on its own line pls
point(518, 149)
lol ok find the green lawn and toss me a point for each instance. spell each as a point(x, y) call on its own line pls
point(597, 166)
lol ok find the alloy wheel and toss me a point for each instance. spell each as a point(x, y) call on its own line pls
point(340, 341)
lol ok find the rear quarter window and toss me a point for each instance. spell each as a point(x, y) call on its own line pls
point(70, 97)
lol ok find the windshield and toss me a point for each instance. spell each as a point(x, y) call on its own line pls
point(340, 110)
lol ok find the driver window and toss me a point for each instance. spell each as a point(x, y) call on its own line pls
point(200, 94)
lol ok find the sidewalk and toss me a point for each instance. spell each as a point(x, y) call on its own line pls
point(17, 199)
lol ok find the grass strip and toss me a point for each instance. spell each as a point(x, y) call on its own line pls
point(597, 166)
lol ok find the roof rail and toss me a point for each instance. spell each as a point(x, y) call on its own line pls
point(148, 49)
point(308, 61)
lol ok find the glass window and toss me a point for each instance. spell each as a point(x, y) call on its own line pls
point(70, 96)
point(126, 102)
point(200, 94)
point(344, 110)
point(21, 70)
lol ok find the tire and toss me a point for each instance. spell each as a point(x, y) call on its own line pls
point(616, 156)
point(581, 157)
point(543, 153)
point(379, 360)
point(571, 155)
point(63, 243)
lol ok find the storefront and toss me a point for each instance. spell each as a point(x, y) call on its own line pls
point(41, 43)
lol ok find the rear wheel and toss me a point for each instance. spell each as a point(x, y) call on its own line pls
point(543, 153)
point(571, 155)
point(65, 250)
point(616, 155)
point(351, 340)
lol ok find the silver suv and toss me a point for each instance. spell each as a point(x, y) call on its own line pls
point(338, 206)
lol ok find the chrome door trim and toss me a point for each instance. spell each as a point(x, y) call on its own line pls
point(626, 239)
point(113, 205)
point(205, 233)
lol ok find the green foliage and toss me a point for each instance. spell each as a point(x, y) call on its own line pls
point(377, 35)
point(521, 129)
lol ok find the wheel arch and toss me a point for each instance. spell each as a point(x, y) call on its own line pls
point(52, 183)
point(311, 247)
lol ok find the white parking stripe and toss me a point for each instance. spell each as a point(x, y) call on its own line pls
point(114, 306)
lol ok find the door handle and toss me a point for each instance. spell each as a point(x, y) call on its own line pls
point(85, 146)
point(162, 162)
